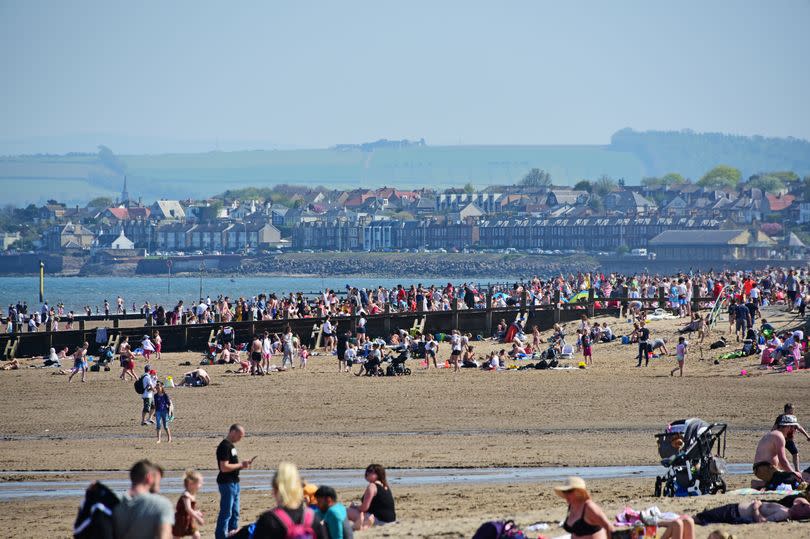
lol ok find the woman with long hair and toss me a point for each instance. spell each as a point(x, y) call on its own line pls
point(377, 507)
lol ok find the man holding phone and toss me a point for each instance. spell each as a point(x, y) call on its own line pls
point(228, 481)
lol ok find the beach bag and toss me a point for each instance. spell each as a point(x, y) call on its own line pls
point(542, 364)
point(297, 531)
point(94, 520)
point(139, 385)
point(499, 529)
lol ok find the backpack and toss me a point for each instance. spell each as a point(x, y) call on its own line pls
point(297, 531)
point(499, 529)
point(94, 520)
point(139, 385)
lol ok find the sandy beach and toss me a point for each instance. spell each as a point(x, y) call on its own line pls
point(319, 419)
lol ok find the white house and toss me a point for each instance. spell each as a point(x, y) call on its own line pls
point(122, 242)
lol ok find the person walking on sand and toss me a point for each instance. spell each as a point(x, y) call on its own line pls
point(680, 354)
point(79, 362)
point(158, 340)
point(187, 518)
point(587, 348)
point(228, 481)
point(163, 404)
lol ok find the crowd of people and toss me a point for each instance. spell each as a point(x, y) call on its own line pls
point(763, 287)
point(301, 511)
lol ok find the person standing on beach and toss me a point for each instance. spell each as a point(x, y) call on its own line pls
point(455, 352)
point(256, 356)
point(228, 481)
point(149, 378)
point(158, 344)
point(287, 347)
point(643, 347)
point(79, 362)
point(163, 405)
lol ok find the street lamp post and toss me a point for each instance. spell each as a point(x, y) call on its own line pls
point(202, 269)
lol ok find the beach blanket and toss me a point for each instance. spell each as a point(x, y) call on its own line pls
point(661, 314)
point(781, 491)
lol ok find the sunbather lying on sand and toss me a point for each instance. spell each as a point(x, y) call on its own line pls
point(754, 512)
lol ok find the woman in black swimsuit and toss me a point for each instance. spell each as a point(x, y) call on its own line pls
point(377, 507)
point(585, 519)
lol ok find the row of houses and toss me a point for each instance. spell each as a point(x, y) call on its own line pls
point(592, 234)
point(224, 237)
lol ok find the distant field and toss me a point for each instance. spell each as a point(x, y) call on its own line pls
point(75, 179)
point(419, 167)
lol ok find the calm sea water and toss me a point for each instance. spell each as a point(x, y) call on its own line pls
point(76, 292)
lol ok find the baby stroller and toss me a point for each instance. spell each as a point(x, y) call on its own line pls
point(686, 451)
point(397, 366)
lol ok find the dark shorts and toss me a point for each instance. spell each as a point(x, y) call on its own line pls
point(256, 356)
point(725, 514)
point(790, 445)
point(361, 330)
point(148, 404)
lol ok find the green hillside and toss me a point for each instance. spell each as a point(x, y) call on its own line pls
point(436, 166)
point(632, 155)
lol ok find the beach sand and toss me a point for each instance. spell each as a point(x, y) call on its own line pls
point(606, 415)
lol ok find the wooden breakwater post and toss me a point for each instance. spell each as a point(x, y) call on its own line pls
point(557, 306)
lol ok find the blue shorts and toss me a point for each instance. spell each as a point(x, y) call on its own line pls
point(162, 418)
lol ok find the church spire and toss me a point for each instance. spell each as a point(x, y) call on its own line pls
point(124, 193)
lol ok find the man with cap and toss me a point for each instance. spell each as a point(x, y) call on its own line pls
point(771, 464)
point(149, 384)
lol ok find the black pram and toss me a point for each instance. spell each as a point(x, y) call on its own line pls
point(686, 451)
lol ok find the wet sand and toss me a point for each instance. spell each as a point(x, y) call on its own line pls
point(606, 415)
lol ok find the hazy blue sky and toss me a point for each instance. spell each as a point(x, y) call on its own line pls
point(312, 74)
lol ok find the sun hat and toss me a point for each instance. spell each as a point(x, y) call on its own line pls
point(574, 483)
point(788, 420)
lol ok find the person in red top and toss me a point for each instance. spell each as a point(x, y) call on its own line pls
point(718, 288)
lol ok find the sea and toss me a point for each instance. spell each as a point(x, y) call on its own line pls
point(76, 292)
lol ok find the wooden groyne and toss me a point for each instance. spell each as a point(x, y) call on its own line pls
point(184, 337)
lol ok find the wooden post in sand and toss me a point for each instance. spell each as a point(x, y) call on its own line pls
point(454, 306)
point(662, 298)
point(591, 306)
point(387, 319)
point(623, 305)
point(556, 306)
point(489, 312)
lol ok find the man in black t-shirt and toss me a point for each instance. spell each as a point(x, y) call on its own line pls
point(229, 465)
point(643, 345)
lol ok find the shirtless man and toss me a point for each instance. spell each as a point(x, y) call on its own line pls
point(191, 378)
point(770, 460)
point(256, 356)
point(754, 512)
point(127, 359)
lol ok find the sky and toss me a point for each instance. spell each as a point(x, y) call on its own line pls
point(156, 75)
